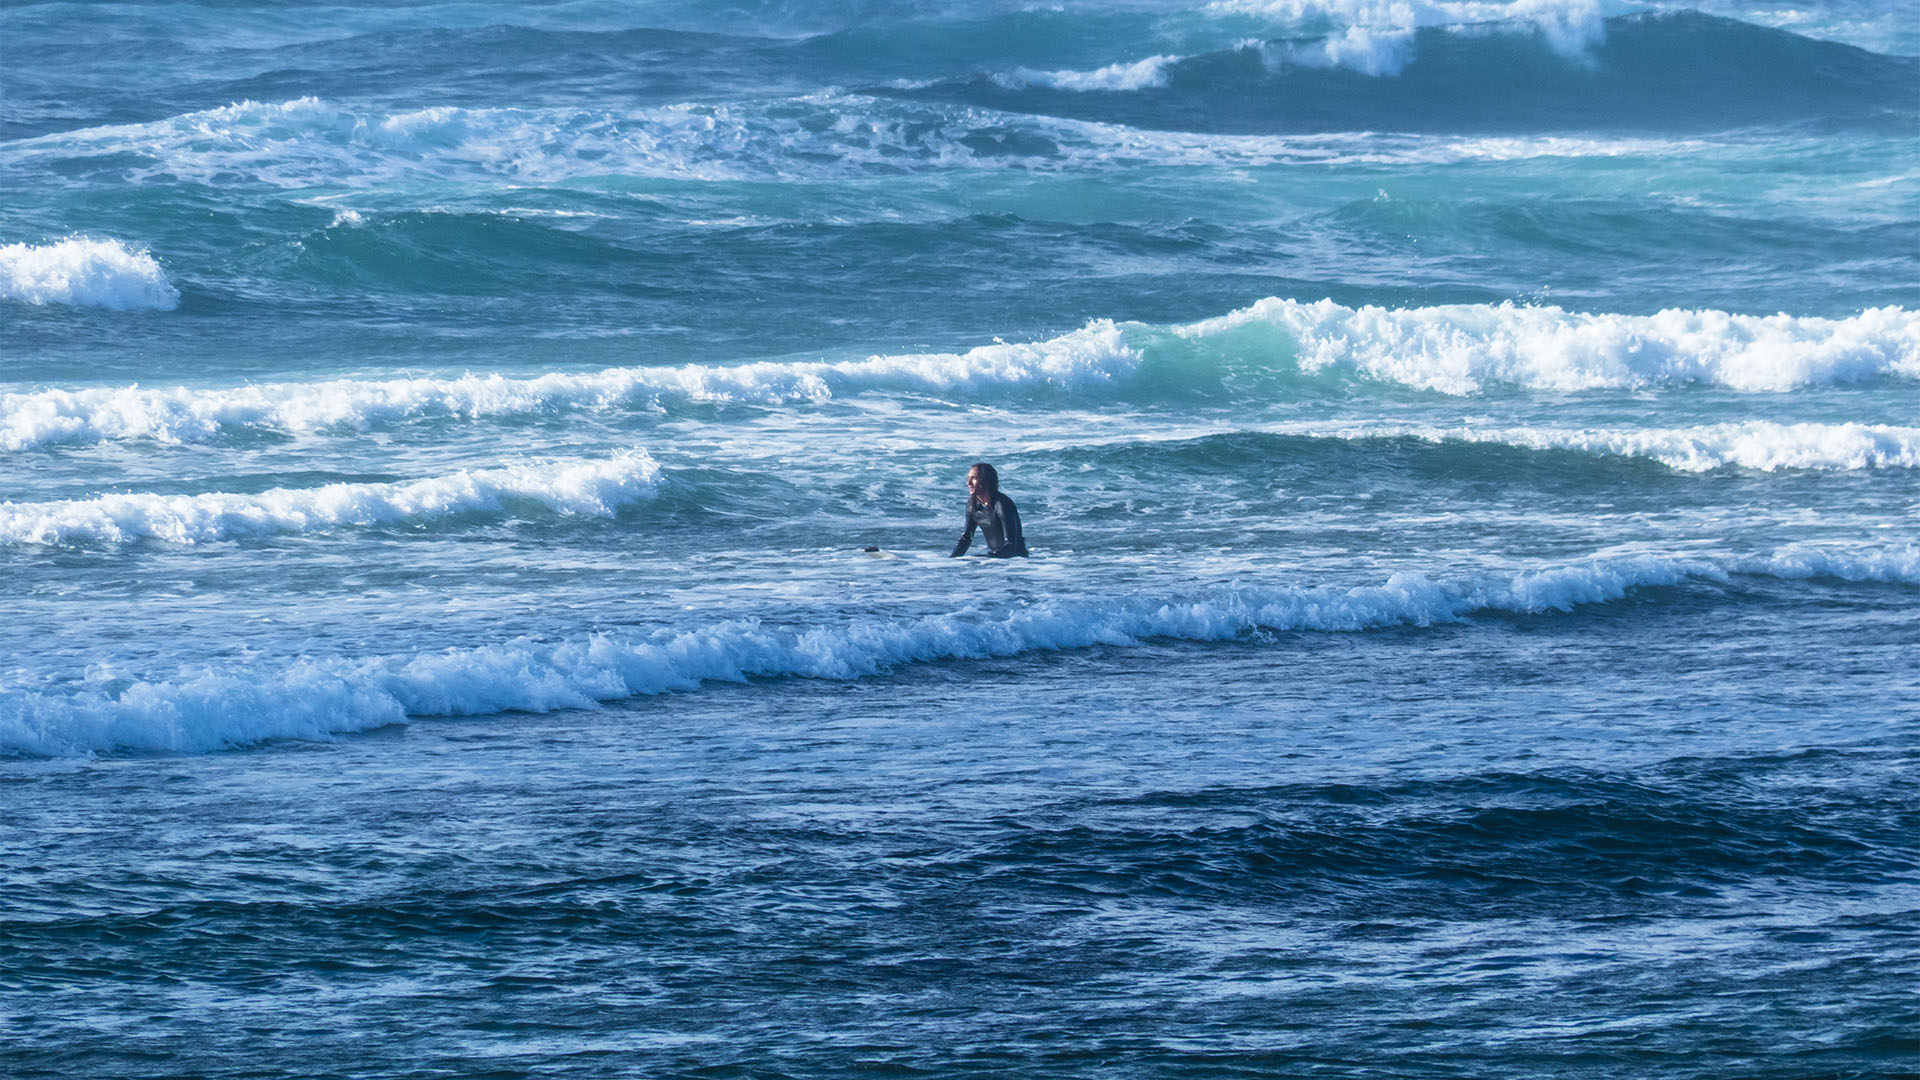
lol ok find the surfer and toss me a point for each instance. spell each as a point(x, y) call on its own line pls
point(989, 510)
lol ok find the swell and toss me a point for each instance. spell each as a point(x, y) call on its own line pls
point(1261, 68)
point(598, 487)
point(1689, 831)
point(1667, 72)
point(1683, 833)
point(319, 698)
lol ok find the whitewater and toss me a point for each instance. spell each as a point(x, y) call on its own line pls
point(477, 485)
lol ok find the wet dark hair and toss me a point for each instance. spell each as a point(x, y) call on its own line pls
point(989, 478)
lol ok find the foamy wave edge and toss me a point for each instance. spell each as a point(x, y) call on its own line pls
point(318, 699)
point(596, 487)
point(1762, 445)
point(83, 271)
point(1457, 350)
point(1096, 355)
point(1464, 349)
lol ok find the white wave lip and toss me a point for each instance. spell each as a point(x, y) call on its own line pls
point(1761, 445)
point(1464, 349)
point(1147, 74)
point(85, 272)
point(591, 487)
point(1376, 37)
point(1096, 355)
point(317, 699)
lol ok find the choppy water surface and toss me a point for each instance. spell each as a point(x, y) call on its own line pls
point(1471, 454)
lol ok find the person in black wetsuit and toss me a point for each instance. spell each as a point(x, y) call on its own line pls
point(993, 514)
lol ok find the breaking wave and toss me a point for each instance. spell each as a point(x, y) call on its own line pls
point(85, 272)
point(1456, 350)
point(320, 698)
point(1467, 349)
point(592, 487)
point(1096, 355)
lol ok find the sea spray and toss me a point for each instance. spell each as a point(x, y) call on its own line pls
point(1468, 349)
point(85, 272)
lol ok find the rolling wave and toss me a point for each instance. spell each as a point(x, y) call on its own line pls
point(1468, 349)
point(1761, 445)
point(1096, 355)
point(594, 487)
point(85, 272)
point(320, 698)
point(1262, 351)
point(1434, 67)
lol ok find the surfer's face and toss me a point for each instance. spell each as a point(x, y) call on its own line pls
point(976, 486)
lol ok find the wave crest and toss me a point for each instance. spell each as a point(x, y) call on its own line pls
point(1753, 444)
point(85, 272)
point(1465, 349)
point(593, 487)
point(320, 698)
point(1096, 355)
point(1139, 75)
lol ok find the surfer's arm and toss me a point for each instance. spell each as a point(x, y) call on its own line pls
point(966, 539)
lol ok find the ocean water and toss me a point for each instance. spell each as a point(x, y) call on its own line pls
point(1470, 452)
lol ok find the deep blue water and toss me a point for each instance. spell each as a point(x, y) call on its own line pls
point(1470, 452)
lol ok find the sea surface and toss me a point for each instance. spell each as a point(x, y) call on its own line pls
point(1470, 453)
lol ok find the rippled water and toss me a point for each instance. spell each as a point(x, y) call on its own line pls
point(1470, 454)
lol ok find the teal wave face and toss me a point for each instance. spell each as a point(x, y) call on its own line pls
point(1681, 72)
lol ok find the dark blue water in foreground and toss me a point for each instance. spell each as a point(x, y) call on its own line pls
point(1469, 452)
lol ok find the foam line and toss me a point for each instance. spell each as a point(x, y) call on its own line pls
point(594, 487)
point(1752, 444)
point(310, 143)
point(85, 272)
point(319, 698)
point(1096, 355)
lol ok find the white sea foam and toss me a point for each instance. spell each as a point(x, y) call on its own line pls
point(1750, 444)
point(594, 487)
point(1368, 50)
point(1096, 355)
point(1138, 75)
point(1463, 349)
point(317, 698)
point(85, 272)
point(1376, 37)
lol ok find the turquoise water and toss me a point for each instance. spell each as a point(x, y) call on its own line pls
point(1469, 453)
